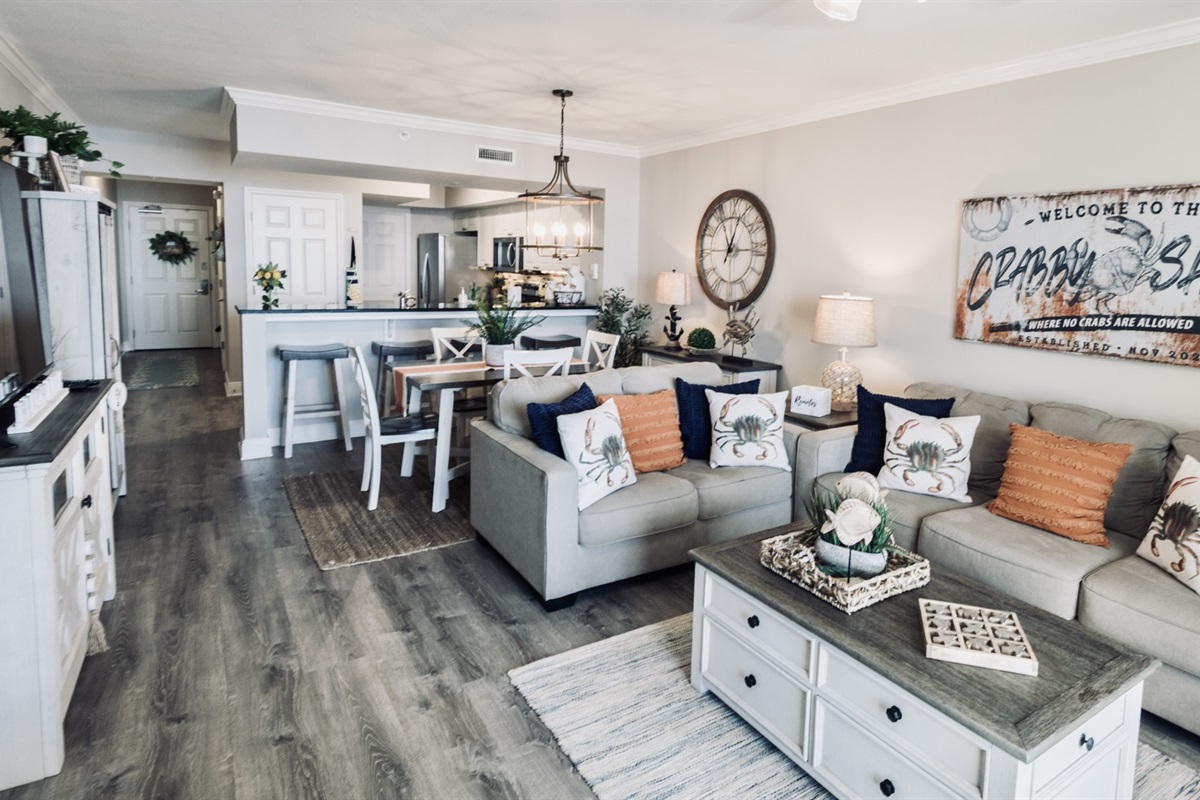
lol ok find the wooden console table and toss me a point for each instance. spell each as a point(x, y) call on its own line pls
point(854, 701)
point(734, 371)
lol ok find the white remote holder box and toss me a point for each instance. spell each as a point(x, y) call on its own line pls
point(812, 401)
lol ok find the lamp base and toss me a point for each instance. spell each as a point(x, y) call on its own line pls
point(843, 379)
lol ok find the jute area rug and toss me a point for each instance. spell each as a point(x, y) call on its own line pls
point(333, 516)
point(161, 371)
point(624, 712)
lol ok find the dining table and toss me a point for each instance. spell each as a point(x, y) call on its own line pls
point(446, 378)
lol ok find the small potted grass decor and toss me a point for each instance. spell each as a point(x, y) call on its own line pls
point(856, 529)
point(499, 326)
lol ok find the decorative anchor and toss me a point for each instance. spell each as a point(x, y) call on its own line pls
point(673, 332)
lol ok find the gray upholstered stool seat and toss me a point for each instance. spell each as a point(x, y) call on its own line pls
point(291, 355)
point(400, 351)
point(553, 341)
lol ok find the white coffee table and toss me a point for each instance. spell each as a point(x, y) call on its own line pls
point(853, 700)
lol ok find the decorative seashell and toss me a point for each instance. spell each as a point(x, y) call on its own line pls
point(862, 485)
point(854, 521)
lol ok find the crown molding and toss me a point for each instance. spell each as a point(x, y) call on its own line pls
point(1113, 48)
point(28, 77)
point(493, 133)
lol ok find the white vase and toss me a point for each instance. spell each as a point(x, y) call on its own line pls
point(493, 354)
point(843, 561)
point(35, 145)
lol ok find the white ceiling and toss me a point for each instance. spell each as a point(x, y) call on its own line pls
point(650, 75)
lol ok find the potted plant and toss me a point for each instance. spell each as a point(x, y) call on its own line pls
point(856, 529)
point(702, 340)
point(68, 139)
point(617, 314)
point(499, 326)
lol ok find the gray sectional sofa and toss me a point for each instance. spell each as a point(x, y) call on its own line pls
point(1112, 591)
point(524, 500)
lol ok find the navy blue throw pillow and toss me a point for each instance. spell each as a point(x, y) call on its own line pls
point(695, 423)
point(543, 418)
point(866, 455)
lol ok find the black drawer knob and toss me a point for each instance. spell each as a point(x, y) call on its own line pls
point(887, 787)
point(752, 621)
point(751, 681)
point(1086, 741)
point(893, 713)
point(86, 502)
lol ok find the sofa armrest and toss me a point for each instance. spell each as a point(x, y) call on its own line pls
point(819, 452)
point(525, 503)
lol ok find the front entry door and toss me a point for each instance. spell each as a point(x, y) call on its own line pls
point(171, 304)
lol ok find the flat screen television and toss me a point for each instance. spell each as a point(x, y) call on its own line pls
point(25, 347)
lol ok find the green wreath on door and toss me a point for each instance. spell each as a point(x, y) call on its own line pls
point(171, 247)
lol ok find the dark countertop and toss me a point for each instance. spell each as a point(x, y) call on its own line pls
point(46, 441)
point(720, 359)
point(378, 311)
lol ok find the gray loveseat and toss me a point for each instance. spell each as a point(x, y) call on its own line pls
point(1112, 591)
point(524, 500)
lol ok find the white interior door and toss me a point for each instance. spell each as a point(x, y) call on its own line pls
point(299, 232)
point(172, 304)
point(385, 257)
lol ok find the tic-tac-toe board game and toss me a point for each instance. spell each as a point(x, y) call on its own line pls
point(981, 637)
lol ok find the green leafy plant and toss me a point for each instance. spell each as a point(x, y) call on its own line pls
point(171, 247)
point(269, 277)
point(702, 339)
point(617, 314)
point(62, 137)
point(499, 324)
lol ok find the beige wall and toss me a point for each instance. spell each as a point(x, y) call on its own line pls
point(871, 203)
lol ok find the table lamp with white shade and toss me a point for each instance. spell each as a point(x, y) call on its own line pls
point(673, 289)
point(844, 321)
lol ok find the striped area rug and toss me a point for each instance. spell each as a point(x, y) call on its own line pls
point(623, 710)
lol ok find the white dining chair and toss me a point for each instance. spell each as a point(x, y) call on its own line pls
point(558, 361)
point(599, 349)
point(453, 342)
point(393, 430)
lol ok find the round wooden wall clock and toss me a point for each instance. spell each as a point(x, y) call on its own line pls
point(735, 249)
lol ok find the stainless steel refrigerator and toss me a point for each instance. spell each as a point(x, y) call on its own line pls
point(442, 268)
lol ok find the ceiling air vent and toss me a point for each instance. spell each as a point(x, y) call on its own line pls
point(495, 155)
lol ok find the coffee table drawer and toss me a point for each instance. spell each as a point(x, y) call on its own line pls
point(760, 626)
point(856, 764)
point(1088, 740)
point(771, 700)
point(906, 722)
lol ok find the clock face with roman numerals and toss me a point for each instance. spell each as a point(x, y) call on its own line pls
point(735, 249)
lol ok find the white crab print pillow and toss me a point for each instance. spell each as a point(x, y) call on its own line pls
point(927, 455)
point(747, 430)
point(1173, 541)
point(594, 443)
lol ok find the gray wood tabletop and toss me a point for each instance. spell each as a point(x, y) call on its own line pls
point(1079, 671)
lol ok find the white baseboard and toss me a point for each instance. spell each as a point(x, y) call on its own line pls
point(233, 388)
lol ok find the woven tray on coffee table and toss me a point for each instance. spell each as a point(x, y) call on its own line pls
point(791, 556)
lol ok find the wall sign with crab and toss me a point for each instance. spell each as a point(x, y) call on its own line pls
point(1112, 273)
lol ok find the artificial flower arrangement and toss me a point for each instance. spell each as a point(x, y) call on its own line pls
point(269, 277)
point(856, 529)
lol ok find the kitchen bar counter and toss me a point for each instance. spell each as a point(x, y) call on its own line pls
point(262, 371)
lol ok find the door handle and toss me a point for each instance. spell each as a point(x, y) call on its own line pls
point(205, 287)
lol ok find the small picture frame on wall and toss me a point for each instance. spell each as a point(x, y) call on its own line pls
point(57, 173)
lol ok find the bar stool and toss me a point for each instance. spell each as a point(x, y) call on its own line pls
point(401, 351)
point(291, 354)
point(553, 341)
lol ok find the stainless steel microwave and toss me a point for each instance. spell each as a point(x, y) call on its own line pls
point(507, 255)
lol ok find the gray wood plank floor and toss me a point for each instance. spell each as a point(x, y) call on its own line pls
point(239, 670)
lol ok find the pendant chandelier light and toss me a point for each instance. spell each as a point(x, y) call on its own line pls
point(558, 217)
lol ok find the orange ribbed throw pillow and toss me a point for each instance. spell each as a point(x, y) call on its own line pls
point(1059, 484)
point(651, 426)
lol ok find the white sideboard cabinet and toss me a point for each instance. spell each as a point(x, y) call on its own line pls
point(58, 567)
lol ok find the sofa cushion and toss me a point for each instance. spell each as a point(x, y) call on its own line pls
point(694, 420)
point(927, 455)
point(509, 406)
point(729, 489)
point(594, 445)
point(991, 437)
point(747, 430)
point(659, 501)
point(1058, 483)
point(643, 380)
point(1173, 541)
point(1139, 488)
point(1185, 444)
point(543, 417)
point(906, 510)
point(650, 423)
point(1015, 558)
point(1132, 601)
point(866, 454)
